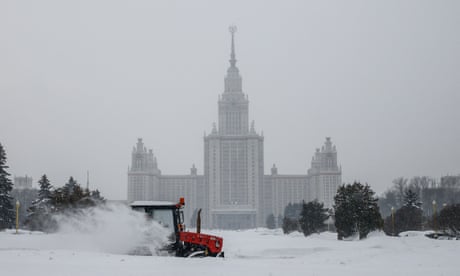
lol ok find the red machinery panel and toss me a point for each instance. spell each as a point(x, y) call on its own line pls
point(213, 243)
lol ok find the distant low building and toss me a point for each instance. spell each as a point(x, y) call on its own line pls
point(233, 192)
point(24, 194)
point(450, 181)
point(22, 182)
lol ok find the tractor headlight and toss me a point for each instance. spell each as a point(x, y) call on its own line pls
point(217, 244)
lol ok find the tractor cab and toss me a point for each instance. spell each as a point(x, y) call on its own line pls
point(168, 214)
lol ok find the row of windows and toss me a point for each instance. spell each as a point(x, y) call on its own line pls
point(233, 121)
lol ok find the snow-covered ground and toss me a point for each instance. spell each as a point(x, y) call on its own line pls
point(251, 252)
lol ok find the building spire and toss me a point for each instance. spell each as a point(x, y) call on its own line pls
point(232, 30)
point(233, 79)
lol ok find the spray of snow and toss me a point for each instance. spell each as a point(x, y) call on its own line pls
point(112, 228)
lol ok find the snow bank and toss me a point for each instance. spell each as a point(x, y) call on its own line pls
point(251, 252)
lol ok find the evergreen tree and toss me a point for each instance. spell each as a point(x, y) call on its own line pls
point(290, 225)
point(271, 224)
point(69, 189)
point(69, 198)
point(58, 200)
point(356, 211)
point(96, 195)
point(80, 197)
point(408, 217)
point(7, 212)
point(86, 198)
point(293, 210)
point(411, 199)
point(73, 196)
point(39, 217)
point(449, 219)
point(45, 188)
point(345, 216)
point(291, 217)
point(312, 217)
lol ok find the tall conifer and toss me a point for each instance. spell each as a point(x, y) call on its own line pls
point(7, 213)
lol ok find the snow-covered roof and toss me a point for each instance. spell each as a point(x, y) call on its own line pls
point(152, 203)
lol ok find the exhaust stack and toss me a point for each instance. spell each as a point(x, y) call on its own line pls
point(198, 222)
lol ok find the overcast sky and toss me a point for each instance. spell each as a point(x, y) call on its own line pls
point(80, 81)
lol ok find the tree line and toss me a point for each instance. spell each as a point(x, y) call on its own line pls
point(51, 201)
point(357, 212)
point(43, 204)
point(429, 191)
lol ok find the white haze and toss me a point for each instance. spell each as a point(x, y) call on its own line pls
point(113, 228)
point(81, 80)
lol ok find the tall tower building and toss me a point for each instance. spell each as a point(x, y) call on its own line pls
point(233, 158)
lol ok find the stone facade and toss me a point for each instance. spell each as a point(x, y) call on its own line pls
point(145, 182)
point(234, 193)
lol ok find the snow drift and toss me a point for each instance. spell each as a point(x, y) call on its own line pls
point(250, 252)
